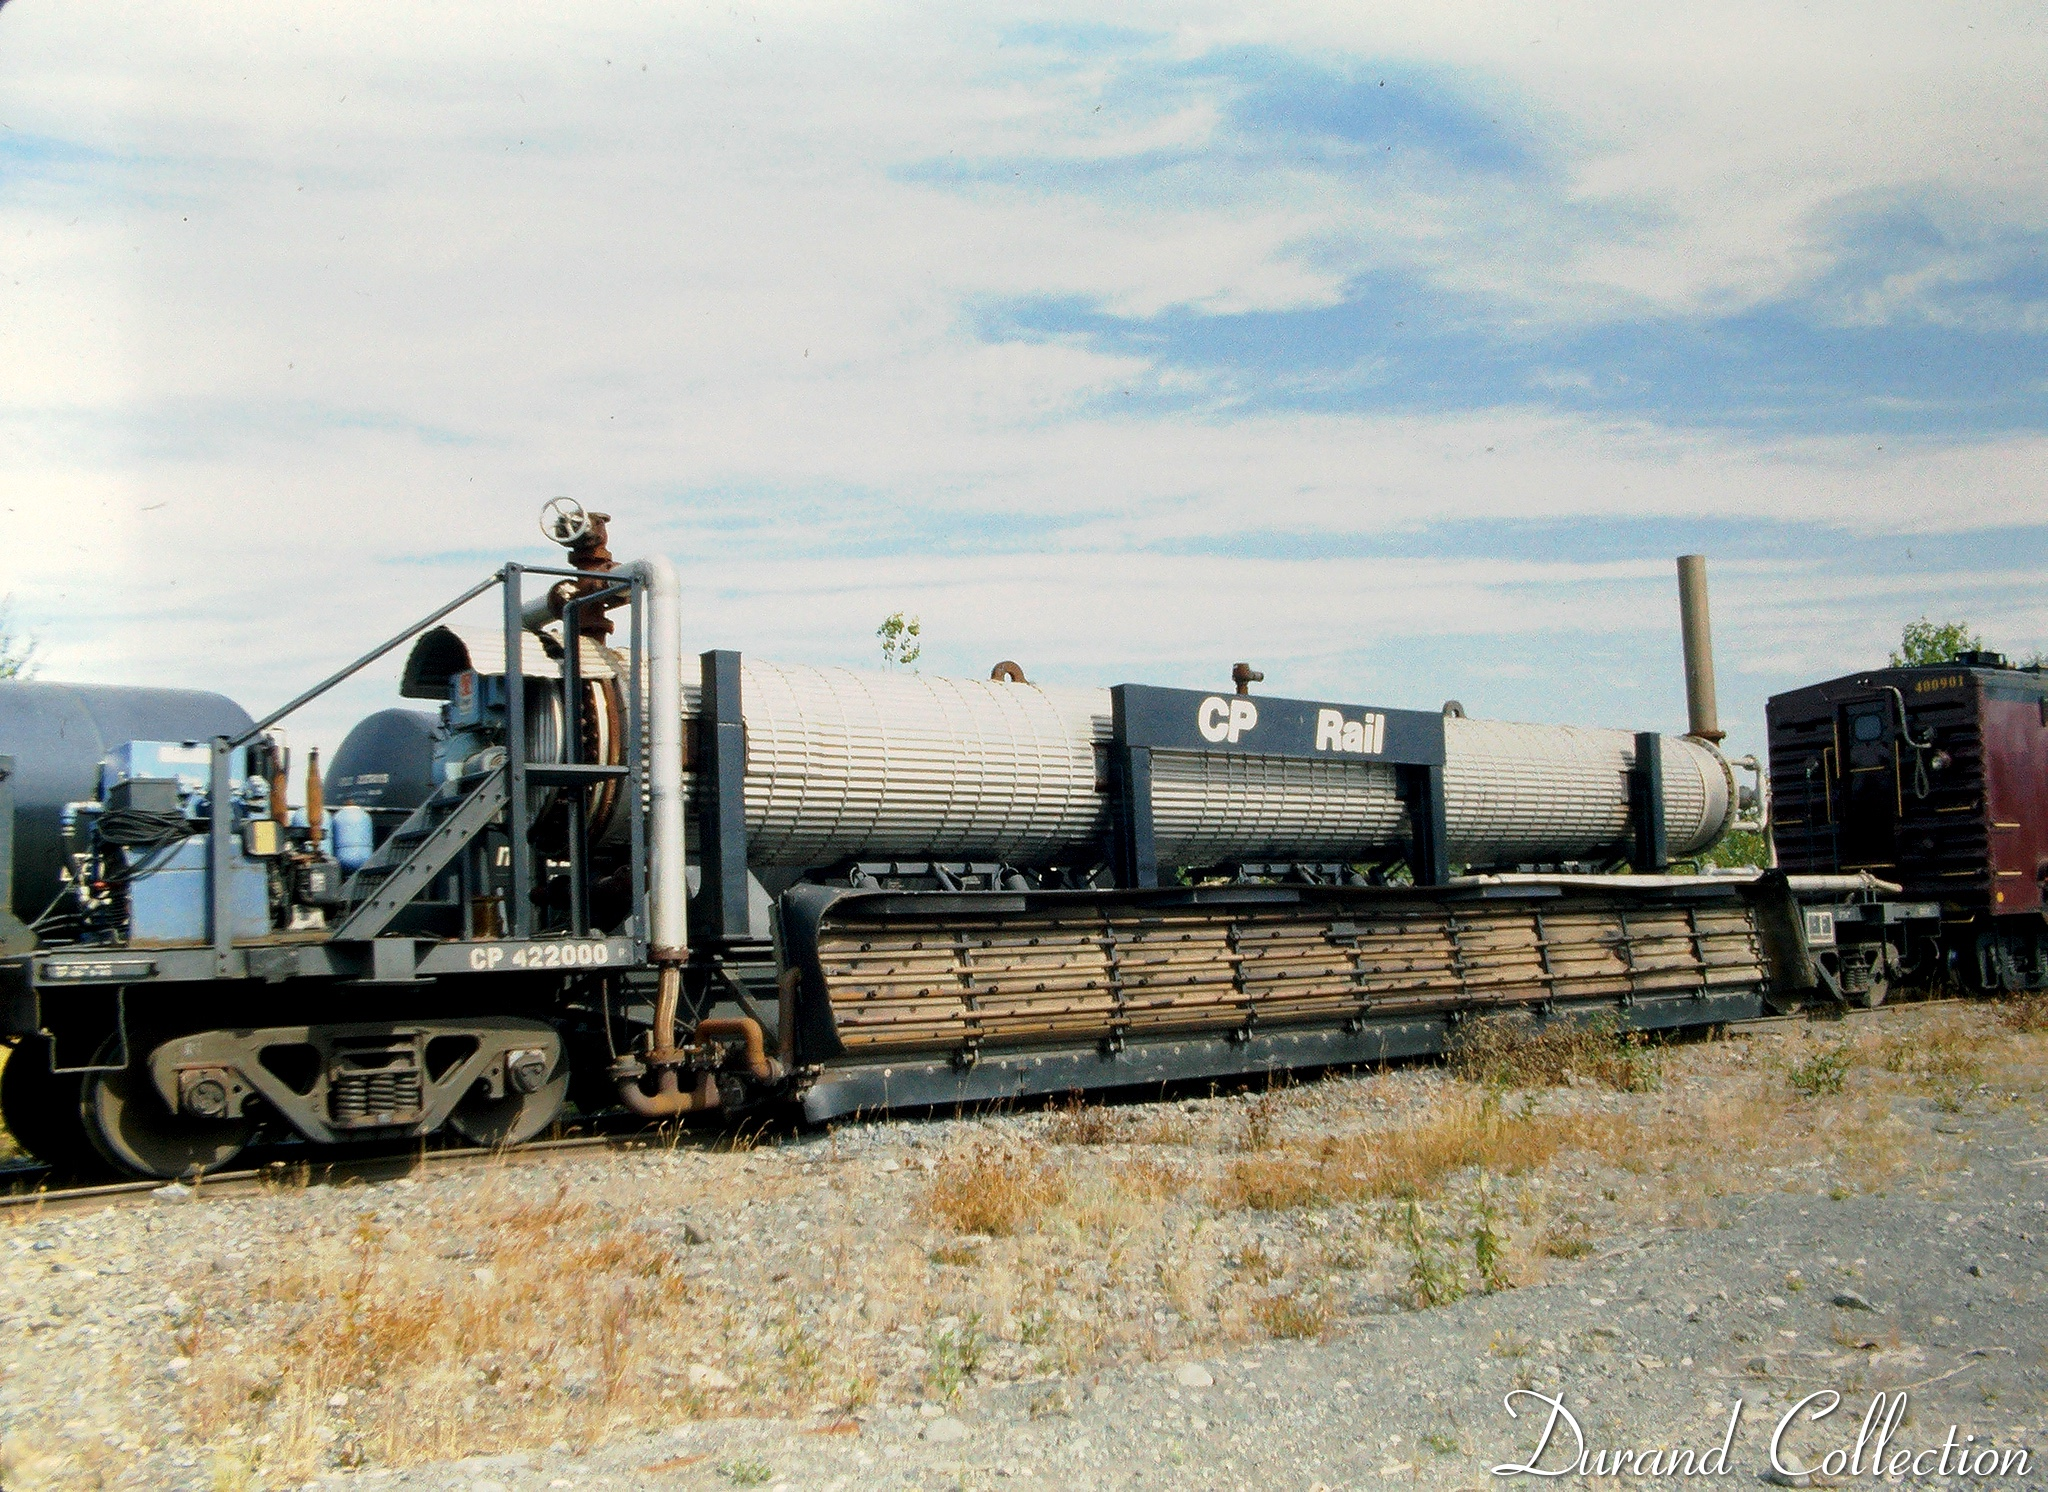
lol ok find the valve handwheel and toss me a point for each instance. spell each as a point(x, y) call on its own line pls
point(563, 520)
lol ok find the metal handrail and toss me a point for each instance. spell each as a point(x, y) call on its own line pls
point(363, 662)
point(221, 786)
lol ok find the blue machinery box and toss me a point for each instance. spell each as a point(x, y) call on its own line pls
point(167, 897)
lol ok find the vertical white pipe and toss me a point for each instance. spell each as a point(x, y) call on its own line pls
point(1703, 716)
point(668, 910)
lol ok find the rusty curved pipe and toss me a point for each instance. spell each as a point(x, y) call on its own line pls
point(758, 1061)
point(668, 995)
point(669, 1099)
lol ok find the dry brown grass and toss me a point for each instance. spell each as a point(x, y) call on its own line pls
point(39, 1462)
point(994, 1188)
point(1943, 1058)
point(1292, 1315)
point(1567, 1238)
point(1078, 1122)
point(1254, 1263)
point(386, 1353)
point(1261, 1124)
point(1745, 1131)
point(1151, 1180)
point(1166, 1127)
point(2026, 1014)
point(1412, 1161)
point(1940, 1049)
point(1517, 1052)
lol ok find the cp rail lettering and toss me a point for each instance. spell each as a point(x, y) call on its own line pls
point(1363, 737)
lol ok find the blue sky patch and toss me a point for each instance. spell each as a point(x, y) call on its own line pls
point(1396, 342)
point(1365, 110)
point(1926, 320)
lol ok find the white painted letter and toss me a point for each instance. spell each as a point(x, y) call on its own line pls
point(1243, 716)
point(1834, 1401)
point(1558, 1412)
point(1354, 735)
point(1329, 730)
point(1716, 1464)
point(1210, 718)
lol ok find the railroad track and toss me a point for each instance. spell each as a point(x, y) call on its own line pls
point(28, 1188)
point(1825, 1016)
point(24, 1185)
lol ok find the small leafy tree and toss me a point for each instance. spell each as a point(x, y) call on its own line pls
point(17, 653)
point(1738, 849)
point(1924, 642)
point(902, 640)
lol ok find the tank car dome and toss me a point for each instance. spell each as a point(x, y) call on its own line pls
point(387, 761)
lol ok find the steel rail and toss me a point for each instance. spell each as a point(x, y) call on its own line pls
point(324, 1172)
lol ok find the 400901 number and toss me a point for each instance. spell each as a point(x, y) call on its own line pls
point(583, 954)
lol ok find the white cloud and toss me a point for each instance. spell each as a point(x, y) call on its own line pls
point(319, 293)
point(1729, 132)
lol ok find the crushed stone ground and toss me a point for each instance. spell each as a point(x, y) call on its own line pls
point(797, 1317)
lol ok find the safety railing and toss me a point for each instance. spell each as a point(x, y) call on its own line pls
point(525, 775)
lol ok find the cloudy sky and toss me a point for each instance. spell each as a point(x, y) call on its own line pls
point(1394, 348)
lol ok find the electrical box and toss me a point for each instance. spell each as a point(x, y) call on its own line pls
point(167, 897)
point(319, 884)
point(476, 699)
point(157, 795)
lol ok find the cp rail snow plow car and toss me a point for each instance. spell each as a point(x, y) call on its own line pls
point(605, 872)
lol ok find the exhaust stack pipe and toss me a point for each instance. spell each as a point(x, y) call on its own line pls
point(1703, 717)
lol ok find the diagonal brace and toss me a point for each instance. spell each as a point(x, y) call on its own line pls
point(432, 855)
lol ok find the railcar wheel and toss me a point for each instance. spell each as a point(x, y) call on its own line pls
point(515, 1118)
point(1870, 989)
point(127, 1123)
point(40, 1108)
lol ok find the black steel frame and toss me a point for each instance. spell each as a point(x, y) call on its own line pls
point(1650, 853)
point(720, 914)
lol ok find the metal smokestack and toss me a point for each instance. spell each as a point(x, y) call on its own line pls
point(1702, 716)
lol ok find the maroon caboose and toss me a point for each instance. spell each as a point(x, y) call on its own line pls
point(1935, 778)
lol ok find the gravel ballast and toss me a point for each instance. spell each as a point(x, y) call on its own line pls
point(1159, 1312)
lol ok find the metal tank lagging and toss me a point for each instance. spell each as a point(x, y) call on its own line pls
point(844, 763)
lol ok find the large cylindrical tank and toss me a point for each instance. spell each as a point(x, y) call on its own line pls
point(386, 761)
point(843, 763)
point(57, 734)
